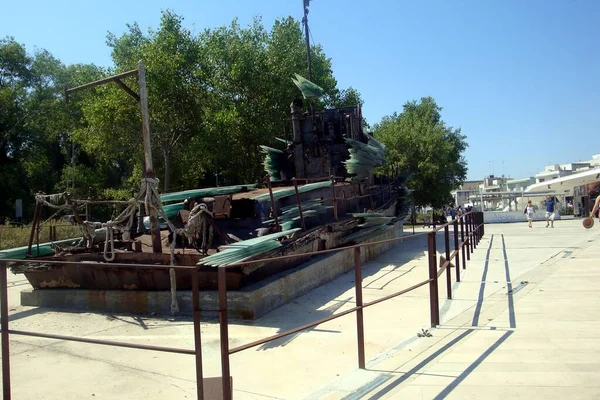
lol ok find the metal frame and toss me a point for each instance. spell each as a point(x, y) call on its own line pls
point(142, 99)
point(471, 231)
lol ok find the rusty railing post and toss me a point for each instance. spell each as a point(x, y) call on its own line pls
point(224, 333)
point(197, 337)
point(475, 231)
point(299, 205)
point(481, 231)
point(448, 269)
point(360, 329)
point(273, 206)
point(335, 211)
point(482, 224)
point(468, 235)
point(434, 304)
point(456, 256)
point(4, 330)
point(462, 241)
point(473, 238)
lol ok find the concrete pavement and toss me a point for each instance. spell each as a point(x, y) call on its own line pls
point(531, 330)
point(523, 322)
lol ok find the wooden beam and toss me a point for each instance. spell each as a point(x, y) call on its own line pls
point(100, 82)
point(127, 89)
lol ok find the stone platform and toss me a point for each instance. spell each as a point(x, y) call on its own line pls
point(251, 302)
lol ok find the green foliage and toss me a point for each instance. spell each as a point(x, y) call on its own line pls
point(214, 97)
point(420, 144)
point(13, 236)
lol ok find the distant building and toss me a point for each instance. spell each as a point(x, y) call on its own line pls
point(467, 189)
point(519, 184)
point(556, 171)
point(493, 184)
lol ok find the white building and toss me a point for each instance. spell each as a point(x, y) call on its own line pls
point(556, 171)
point(519, 184)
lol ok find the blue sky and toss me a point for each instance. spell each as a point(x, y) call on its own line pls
point(520, 77)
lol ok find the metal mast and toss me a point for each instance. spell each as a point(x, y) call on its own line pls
point(306, 34)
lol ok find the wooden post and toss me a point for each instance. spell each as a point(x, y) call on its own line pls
point(36, 214)
point(273, 206)
point(154, 227)
point(335, 211)
point(299, 204)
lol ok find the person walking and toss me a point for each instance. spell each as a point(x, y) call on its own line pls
point(550, 203)
point(453, 213)
point(529, 211)
point(596, 207)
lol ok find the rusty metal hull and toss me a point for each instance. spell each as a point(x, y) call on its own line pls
point(77, 276)
point(107, 277)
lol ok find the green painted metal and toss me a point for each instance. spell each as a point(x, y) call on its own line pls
point(364, 157)
point(172, 209)
point(246, 249)
point(282, 193)
point(309, 90)
point(45, 249)
point(206, 192)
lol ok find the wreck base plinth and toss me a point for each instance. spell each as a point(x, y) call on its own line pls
point(250, 302)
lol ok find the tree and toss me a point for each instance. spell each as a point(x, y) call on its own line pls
point(213, 98)
point(420, 144)
point(173, 63)
point(36, 124)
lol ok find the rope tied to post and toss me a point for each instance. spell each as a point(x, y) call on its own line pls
point(200, 222)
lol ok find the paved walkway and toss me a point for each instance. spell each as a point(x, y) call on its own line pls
point(523, 322)
point(532, 331)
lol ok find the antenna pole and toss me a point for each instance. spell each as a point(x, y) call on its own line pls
point(306, 34)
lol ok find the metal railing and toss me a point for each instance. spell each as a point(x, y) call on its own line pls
point(468, 231)
point(6, 331)
point(471, 231)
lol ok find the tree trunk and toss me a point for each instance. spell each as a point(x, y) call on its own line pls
point(167, 156)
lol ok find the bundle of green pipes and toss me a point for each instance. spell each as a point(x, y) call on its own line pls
point(206, 192)
point(44, 249)
point(246, 249)
point(172, 209)
point(373, 219)
point(364, 157)
point(273, 162)
point(290, 215)
point(402, 202)
point(363, 234)
point(374, 222)
point(280, 194)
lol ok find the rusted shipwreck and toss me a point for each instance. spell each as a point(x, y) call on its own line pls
point(320, 192)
